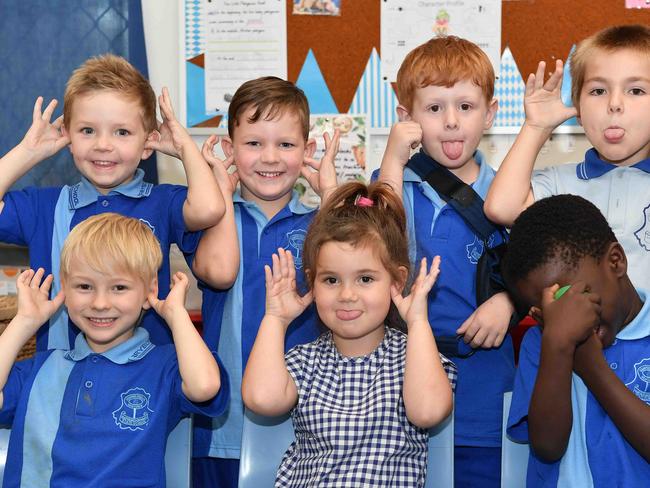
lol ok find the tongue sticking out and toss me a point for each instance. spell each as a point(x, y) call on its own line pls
point(614, 134)
point(452, 149)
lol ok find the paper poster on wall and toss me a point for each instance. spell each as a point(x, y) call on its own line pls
point(317, 7)
point(637, 3)
point(406, 24)
point(244, 40)
point(351, 158)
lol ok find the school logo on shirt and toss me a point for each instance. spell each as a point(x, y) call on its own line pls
point(643, 234)
point(640, 385)
point(296, 239)
point(474, 250)
point(134, 413)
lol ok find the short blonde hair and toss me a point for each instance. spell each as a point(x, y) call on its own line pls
point(110, 72)
point(444, 61)
point(110, 242)
point(635, 37)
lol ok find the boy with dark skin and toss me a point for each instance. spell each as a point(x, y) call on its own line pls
point(576, 396)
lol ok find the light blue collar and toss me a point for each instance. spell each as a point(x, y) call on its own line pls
point(295, 205)
point(84, 193)
point(128, 351)
point(593, 166)
point(639, 327)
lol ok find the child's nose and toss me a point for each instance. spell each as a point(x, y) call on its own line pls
point(100, 301)
point(103, 142)
point(269, 154)
point(451, 120)
point(347, 293)
point(615, 102)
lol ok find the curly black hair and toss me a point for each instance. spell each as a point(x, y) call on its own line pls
point(562, 227)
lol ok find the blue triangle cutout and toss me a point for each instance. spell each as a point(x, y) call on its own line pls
point(311, 81)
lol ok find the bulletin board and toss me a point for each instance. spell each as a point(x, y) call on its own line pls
point(345, 51)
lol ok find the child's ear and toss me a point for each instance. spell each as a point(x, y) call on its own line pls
point(154, 136)
point(536, 313)
point(403, 273)
point(310, 148)
point(65, 132)
point(492, 108)
point(617, 259)
point(152, 288)
point(403, 114)
point(226, 146)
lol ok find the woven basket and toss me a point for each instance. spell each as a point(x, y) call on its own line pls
point(8, 307)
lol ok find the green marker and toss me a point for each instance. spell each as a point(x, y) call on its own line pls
point(558, 294)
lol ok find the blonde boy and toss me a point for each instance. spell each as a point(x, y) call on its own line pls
point(99, 414)
point(445, 89)
point(109, 125)
point(611, 94)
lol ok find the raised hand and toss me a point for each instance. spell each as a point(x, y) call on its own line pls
point(413, 307)
point(173, 136)
point(323, 180)
point(175, 301)
point(572, 318)
point(34, 304)
point(543, 101)
point(282, 299)
point(227, 181)
point(43, 139)
point(404, 136)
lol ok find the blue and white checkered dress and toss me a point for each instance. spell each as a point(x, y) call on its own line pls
point(350, 421)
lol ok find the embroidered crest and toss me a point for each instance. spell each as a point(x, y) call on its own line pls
point(640, 385)
point(296, 239)
point(148, 224)
point(474, 250)
point(134, 413)
point(643, 234)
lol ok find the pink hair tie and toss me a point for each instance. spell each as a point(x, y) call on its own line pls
point(361, 201)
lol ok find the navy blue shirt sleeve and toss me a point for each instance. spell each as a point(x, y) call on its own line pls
point(185, 240)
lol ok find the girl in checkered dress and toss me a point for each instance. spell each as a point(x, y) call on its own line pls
point(363, 395)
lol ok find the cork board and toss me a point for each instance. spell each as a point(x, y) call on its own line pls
point(533, 29)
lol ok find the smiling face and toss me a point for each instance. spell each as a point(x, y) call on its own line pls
point(107, 138)
point(106, 308)
point(453, 121)
point(605, 277)
point(352, 295)
point(269, 155)
point(615, 103)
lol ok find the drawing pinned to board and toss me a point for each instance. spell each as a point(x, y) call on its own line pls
point(317, 7)
point(509, 91)
point(566, 88)
point(637, 3)
point(406, 24)
point(350, 160)
point(311, 81)
point(375, 96)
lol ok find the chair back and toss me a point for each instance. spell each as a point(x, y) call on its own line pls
point(514, 455)
point(266, 439)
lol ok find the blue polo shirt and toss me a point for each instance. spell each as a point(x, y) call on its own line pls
point(620, 193)
point(83, 419)
point(597, 454)
point(232, 317)
point(41, 219)
point(435, 228)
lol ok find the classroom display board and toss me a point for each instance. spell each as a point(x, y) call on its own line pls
point(336, 59)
